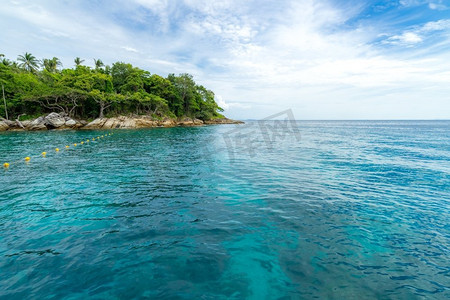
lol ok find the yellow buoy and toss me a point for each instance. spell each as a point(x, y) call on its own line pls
point(102, 135)
point(57, 149)
point(27, 158)
point(6, 165)
point(44, 153)
point(67, 147)
point(82, 143)
point(87, 141)
point(74, 145)
point(98, 137)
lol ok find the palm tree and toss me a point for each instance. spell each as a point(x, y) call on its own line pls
point(4, 61)
point(78, 61)
point(51, 65)
point(29, 62)
point(98, 63)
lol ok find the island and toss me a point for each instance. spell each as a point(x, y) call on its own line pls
point(41, 95)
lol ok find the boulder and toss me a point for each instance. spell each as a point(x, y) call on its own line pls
point(127, 122)
point(111, 123)
point(37, 124)
point(167, 122)
point(144, 123)
point(198, 122)
point(25, 123)
point(71, 123)
point(3, 126)
point(54, 120)
point(223, 121)
point(186, 122)
point(190, 122)
point(96, 124)
point(10, 123)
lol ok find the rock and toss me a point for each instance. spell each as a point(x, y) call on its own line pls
point(127, 123)
point(223, 121)
point(10, 123)
point(190, 122)
point(54, 120)
point(166, 122)
point(37, 124)
point(148, 122)
point(96, 124)
point(198, 122)
point(186, 122)
point(111, 123)
point(3, 126)
point(26, 123)
point(145, 123)
point(121, 122)
point(71, 123)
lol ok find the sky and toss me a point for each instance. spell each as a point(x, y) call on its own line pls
point(324, 59)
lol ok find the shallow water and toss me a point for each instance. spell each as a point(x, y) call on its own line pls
point(354, 209)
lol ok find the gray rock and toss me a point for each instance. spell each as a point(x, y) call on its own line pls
point(71, 123)
point(37, 124)
point(54, 120)
point(96, 124)
point(25, 123)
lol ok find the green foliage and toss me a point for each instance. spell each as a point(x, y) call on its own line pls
point(51, 65)
point(78, 61)
point(89, 93)
point(28, 62)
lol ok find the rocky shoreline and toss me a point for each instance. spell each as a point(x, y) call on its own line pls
point(57, 121)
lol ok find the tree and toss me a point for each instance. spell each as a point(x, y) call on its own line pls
point(28, 62)
point(119, 72)
point(78, 61)
point(61, 98)
point(98, 63)
point(4, 101)
point(51, 65)
point(208, 107)
point(185, 89)
point(85, 92)
point(102, 99)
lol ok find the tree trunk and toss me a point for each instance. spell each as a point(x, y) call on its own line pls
point(102, 108)
point(4, 101)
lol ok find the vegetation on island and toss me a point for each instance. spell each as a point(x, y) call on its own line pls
point(32, 87)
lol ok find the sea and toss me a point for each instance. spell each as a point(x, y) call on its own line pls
point(270, 209)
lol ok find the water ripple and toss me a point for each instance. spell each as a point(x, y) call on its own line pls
point(352, 210)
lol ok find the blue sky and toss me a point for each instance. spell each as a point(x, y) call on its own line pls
point(323, 59)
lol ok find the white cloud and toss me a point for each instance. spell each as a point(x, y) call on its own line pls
point(406, 38)
point(130, 49)
point(436, 26)
point(436, 6)
point(417, 34)
point(259, 56)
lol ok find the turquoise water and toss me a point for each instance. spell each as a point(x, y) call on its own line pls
point(349, 210)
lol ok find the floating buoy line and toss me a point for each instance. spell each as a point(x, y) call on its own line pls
point(27, 159)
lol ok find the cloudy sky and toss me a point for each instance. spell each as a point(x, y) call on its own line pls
point(333, 59)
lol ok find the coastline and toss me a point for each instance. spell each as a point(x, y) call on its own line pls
point(55, 121)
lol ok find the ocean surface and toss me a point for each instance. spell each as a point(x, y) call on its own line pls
point(266, 210)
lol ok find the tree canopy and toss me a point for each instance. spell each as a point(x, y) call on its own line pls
point(33, 88)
